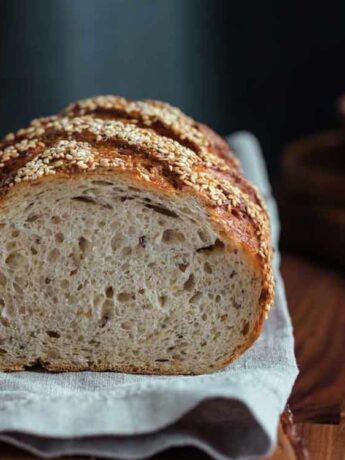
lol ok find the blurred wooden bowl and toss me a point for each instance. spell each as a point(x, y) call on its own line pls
point(315, 167)
point(312, 196)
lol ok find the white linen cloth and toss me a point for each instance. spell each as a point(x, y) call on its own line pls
point(229, 414)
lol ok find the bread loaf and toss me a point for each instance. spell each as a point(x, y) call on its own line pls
point(129, 241)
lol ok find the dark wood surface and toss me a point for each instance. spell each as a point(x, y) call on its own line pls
point(316, 297)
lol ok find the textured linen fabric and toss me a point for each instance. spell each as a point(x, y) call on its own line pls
point(232, 413)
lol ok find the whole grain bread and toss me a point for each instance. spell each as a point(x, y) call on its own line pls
point(129, 241)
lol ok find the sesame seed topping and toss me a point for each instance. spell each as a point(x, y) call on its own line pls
point(149, 113)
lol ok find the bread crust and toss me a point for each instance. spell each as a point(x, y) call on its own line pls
point(158, 148)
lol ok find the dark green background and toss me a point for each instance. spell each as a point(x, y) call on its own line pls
point(272, 67)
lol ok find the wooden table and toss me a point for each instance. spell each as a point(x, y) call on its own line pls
point(316, 296)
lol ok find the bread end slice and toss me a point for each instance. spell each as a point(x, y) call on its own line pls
point(104, 274)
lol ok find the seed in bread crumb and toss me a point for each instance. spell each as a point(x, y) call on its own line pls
point(142, 241)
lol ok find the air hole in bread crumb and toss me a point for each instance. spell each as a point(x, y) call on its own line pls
point(115, 243)
point(189, 284)
point(104, 321)
point(207, 268)
point(32, 218)
point(34, 252)
point(204, 317)
point(195, 298)
point(126, 326)
point(17, 287)
point(202, 236)
point(216, 334)
point(182, 267)
point(53, 255)
point(2, 351)
point(172, 236)
point(84, 245)
point(126, 251)
point(237, 305)
point(59, 238)
point(101, 182)
point(162, 300)
point(53, 334)
point(11, 245)
point(217, 244)
point(4, 322)
point(108, 307)
point(109, 292)
point(28, 207)
point(161, 210)
point(15, 260)
point(97, 300)
point(123, 199)
point(142, 241)
point(3, 280)
point(245, 328)
point(85, 199)
point(72, 300)
point(124, 296)
point(55, 219)
point(64, 284)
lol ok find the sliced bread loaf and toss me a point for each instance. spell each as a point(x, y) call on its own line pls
point(129, 241)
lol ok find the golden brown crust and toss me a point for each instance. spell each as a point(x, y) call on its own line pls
point(163, 118)
point(157, 146)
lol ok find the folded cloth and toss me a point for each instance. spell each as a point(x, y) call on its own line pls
point(232, 413)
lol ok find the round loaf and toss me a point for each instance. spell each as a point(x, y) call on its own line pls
point(153, 149)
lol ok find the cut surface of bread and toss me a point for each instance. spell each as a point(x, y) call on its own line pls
point(101, 274)
point(105, 268)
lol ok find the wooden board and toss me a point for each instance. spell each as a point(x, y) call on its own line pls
point(316, 296)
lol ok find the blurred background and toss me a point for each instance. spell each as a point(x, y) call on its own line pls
point(275, 68)
point(272, 67)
